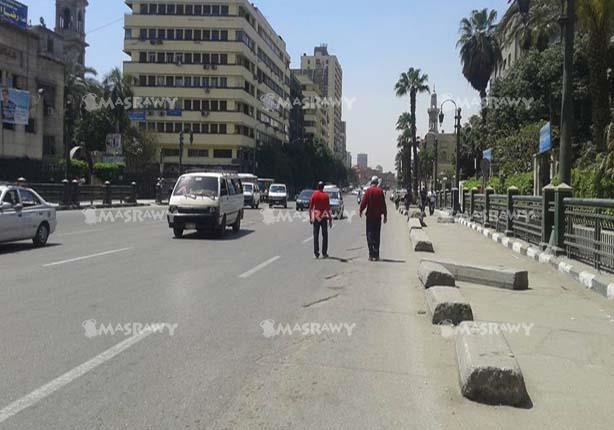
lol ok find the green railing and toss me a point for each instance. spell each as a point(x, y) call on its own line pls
point(589, 231)
point(497, 212)
point(527, 218)
point(478, 209)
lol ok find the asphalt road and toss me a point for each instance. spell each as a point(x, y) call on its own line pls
point(213, 364)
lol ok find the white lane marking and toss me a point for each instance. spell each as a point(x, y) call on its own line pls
point(309, 239)
point(259, 267)
point(85, 257)
point(61, 381)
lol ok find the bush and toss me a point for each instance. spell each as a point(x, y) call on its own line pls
point(111, 172)
point(471, 183)
point(522, 181)
point(78, 168)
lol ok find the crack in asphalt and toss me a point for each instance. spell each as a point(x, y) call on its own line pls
point(325, 299)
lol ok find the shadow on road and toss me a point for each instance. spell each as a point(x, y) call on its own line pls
point(216, 237)
point(11, 248)
point(387, 260)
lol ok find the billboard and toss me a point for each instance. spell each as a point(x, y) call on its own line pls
point(545, 139)
point(114, 144)
point(15, 106)
point(14, 13)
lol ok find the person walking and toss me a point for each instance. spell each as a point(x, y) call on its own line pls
point(374, 202)
point(423, 200)
point(321, 218)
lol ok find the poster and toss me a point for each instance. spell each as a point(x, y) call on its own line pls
point(114, 144)
point(545, 139)
point(14, 13)
point(15, 106)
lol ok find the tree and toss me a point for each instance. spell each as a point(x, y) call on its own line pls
point(412, 82)
point(537, 28)
point(118, 86)
point(479, 48)
point(595, 17)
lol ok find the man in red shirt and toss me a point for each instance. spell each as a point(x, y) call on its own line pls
point(320, 217)
point(374, 201)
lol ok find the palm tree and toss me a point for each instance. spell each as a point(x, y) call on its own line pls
point(118, 86)
point(596, 18)
point(479, 48)
point(412, 82)
point(537, 28)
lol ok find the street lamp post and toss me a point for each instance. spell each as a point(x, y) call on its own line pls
point(435, 159)
point(457, 126)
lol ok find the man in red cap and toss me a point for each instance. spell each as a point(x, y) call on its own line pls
point(320, 217)
point(374, 201)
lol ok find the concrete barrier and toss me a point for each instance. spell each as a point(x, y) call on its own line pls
point(415, 213)
point(432, 274)
point(487, 368)
point(420, 241)
point(445, 219)
point(414, 223)
point(447, 305)
point(501, 277)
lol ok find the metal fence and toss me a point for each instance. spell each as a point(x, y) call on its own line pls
point(73, 194)
point(527, 221)
point(479, 207)
point(589, 231)
point(497, 212)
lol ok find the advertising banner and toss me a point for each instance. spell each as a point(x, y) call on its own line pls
point(15, 106)
point(14, 13)
point(545, 139)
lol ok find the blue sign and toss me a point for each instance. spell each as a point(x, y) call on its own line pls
point(545, 139)
point(15, 106)
point(487, 154)
point(136, 116)
point(173, 112)
point(15, 13)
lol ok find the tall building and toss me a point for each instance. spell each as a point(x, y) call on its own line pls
point(70, 24)
point(32, 64)
point(226, 70)
point(316, 118)
point(325, 70)
point(362, 160)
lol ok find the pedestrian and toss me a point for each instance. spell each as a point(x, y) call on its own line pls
point(321, 218)
point(432, 196)
point(407, 200)
point(423, 200)
point(374, 202)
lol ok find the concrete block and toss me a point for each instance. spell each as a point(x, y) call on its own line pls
point(445, 219)
point(447, 305)
point(414, 213)
point(414, 223)
point(501, 277)
point(420, 241)
point(488, 370)
point(433, 274)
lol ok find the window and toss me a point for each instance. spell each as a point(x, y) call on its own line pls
point(160, 81)
point(225, 10)
point(170, 34)
point(160, 127)
point(207, 10)
point(187, 105)
point(28, 199)
point(222, 153)
point(180, 10)
point(215, 35)
point(151, 57)
point(179, 81)
point(198, 10)
point(151, 81)
point(198, 35)
point(223, 82)
point(170, 9)
point(128, 34)
point(162, 9)
point(189, 10)
point(11, 197)
point(162, 34)
point(196, 82)
point(49, 145)
point(223, 186)
point(215, 10)
point(142, 81)
point(153, 8)
point(223, 106)
point(206, 35)
point(204, 153)
point(188, 35)
point(231, 188)
point(168, 152)
point(224, 35)
point(196, 130)
point(196, 105)
point(222, 129)
point(142, 57)
point(169, 127)
point(170, 81)
point(152, 34)
point(170, 57)
point(213, 128)
point(179, 34)
point(144, 9)
point(161, 57)
point(143, 33)
point(188, 58)
point(178, 127)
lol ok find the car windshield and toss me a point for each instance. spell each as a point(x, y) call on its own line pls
point(333, 195)
point(305, 195)
point(277, 189)
point(248, 188)
point(196, 186)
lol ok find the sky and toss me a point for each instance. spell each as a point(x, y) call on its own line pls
point(374, 41)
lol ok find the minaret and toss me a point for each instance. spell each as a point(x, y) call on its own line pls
point(433, 114)
point(70, 24)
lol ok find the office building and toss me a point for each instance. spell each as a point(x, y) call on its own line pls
point(315, 115)
point(362, 160)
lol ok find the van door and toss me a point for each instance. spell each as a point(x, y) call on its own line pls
point(224, 196)
point(32, 212)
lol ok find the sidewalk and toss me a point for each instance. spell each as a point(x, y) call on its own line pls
point(568, 357)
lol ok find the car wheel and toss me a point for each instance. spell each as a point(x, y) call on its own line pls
point(178, 232)
point(236, 227)
point(258, 205)
point(270, 205)
point(42, 234)
point(285, 205)
point(222, 228)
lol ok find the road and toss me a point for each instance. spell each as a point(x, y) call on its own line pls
point(212, 366)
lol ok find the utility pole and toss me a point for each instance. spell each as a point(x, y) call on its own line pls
point(567, 29)
point(181, 153)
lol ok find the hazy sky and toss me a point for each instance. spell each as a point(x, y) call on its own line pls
point(374, 40)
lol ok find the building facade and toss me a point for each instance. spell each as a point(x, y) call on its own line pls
point(325, 70)
point(316, 116)
point(70, 25)
point(31, 60)
point(225, 72)
point(443, 144)
point(362, 160)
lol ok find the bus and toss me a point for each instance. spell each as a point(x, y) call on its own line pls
point(264, 184)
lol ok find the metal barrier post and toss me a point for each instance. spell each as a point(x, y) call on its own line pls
point(486, 218)
point(75, 194)
point(547, 215)
point(133, 193)
point(511, 192)
point(66, 197)
point(107, 194)
point(562, 191)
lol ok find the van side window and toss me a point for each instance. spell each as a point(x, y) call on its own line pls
point(238, 185)
point(231, 188)
point(223, 187)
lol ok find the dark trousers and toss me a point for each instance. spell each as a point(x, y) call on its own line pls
point(323, 224)
point(374, 228)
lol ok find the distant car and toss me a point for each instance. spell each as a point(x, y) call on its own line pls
point(206, 201)
point(303, 199)
point(24, 214)
point(336, 201)
point(251, 195)
point(278, 195)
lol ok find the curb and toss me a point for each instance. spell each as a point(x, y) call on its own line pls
point(590, 280)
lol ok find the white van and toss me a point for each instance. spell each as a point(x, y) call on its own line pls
point(206, 201)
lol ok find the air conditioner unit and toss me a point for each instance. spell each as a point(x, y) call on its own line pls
point(160, 42)
point(204, 113)
point(214, 66)
point(150, 113)
point(162, 113)
point(179, 62)
point(207, 90)
point(206, 66)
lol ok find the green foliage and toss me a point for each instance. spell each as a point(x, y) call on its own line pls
point(522, 181)
point(77, 169)
point(498, 185)
point(472, 183)
point(111, 172)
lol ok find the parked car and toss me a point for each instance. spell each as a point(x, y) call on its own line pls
point(303, 199)
point(206, 201)
point(336, 201)
point(278, 195)
point(24, 214)
point(251, 195)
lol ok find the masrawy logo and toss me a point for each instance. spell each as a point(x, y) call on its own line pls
point(483, 328)
point(271, 328)
point(92, 102)
point(129, 215)
point(93, 329)
point(274, 216)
